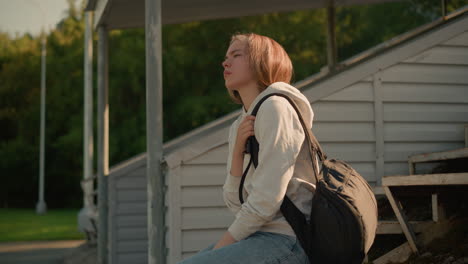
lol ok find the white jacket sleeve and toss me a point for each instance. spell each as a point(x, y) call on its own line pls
point(280, 136)
point(231, 185)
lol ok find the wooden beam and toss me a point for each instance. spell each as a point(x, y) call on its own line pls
point(438, 211)
point(435, 215)
point(400, 214)
point(402, 253)
point(412, 167)
point(426, 179)
point(397, 255)
point(442, 155)
point(394, 227)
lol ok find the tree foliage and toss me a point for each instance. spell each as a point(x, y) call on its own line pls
point(194, 91)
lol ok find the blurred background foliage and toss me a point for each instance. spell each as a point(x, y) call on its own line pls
point(194, 91)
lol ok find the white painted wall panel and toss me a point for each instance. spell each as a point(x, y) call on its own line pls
point(400, 151)
point(425, 92)
point(202, 196)
point(133, 246)
point(195, 240)
point(360, 91)
point(132, 233)
point(334, 111)
point(135, 258)
point(131, 182)
point(366, 169)
point(344, 132)
point(215, 156)
point(206, 218)
point(401, 168)
point(203, 174)
point(131, 221)
point(423, 132)
point(459, 40)
point(426, 73)
point(442, 55)
point(350, 151)
point(131, 195)
point(425, 104)
point(426, 112)
point(127, 211)
point(131, 208)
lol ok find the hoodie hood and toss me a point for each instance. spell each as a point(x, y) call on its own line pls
point(292, 92)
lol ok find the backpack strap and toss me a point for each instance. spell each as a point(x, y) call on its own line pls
point(252, 145)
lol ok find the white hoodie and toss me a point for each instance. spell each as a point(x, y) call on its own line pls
point(284, 165)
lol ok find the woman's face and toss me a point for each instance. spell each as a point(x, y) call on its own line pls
point(237, 73)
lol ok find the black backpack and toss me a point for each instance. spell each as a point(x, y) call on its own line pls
point(343, 218)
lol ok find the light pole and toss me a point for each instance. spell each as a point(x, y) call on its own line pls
point(41, 206)
point(88, 211)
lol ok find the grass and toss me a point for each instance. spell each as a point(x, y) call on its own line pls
point(26, 225)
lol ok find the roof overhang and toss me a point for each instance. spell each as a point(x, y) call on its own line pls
point(120, 14)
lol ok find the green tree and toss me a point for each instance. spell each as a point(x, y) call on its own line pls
point(194, 91)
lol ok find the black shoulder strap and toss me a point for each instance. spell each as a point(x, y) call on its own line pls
point(252, 146)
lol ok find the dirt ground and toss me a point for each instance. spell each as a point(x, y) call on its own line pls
point(450, 249)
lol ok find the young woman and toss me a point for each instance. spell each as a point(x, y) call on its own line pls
point(255, 66)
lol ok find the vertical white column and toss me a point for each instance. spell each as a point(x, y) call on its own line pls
point(103, 142)
point(154, 133)
point(88, 144)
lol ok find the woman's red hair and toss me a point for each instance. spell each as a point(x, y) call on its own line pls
point(268, 61)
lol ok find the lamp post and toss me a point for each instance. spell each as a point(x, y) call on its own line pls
point(41, 206)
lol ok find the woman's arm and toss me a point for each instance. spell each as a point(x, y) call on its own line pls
point(238, 134)
point(236, 160)
point(280, 135)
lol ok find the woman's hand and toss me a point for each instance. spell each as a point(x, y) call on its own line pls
point(226, 240)
point(245, 130)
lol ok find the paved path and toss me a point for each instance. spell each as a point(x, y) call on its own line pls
point(36, 252)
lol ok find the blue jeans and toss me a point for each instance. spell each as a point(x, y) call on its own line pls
point(258, 248)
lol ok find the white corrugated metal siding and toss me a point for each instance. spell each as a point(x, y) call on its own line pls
point(128, 237)
point(425, 103)
point(204, 215)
